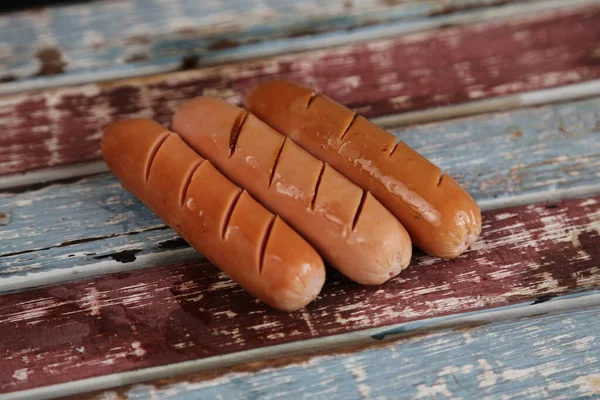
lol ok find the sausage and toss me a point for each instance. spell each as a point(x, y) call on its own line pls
point(441, 217)
point(351, 230)
point(254, 247)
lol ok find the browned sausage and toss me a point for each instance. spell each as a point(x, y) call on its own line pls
point(441, 217)
point(348, 226)
point(254, 247)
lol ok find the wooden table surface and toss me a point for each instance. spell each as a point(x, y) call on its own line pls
point(100, 300)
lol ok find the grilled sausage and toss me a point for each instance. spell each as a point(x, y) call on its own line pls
point(348, 226)
point(254, 247)
point(441, 217)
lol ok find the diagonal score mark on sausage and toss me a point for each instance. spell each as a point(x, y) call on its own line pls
point(275, 161)
point(263, 243)
point(359, 209)
point(398, 143)
point(354, 116)
point(313, 95)
point(236, 129)
point(317, 185)
point(440, 179)
point(229, 212)
point(188, 181)
point(153, 152)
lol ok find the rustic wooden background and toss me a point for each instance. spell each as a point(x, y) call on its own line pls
point(98, 296)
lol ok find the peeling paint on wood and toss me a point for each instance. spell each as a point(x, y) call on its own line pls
point(552, 356)
point(70, 225)
point(118, 38)
point(169, 314)
point(412, 72)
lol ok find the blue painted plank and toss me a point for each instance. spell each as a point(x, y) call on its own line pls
point(106, 40)
point(498, 158)
point(553, 356)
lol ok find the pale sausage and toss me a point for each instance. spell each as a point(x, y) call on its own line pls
point(254, 247)
point(441, 217)
point(351, 230)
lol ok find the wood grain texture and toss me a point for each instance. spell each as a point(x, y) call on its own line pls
point(411, 72)
point(76, 225)
point(107, 39)
point(552, 356)
point(169, 314)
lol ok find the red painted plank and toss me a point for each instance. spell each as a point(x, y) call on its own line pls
point(169, 314)
point(412, 72)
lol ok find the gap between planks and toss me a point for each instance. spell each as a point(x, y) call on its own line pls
point(529, 99)
point(300, 44)
point(61, 275)
point(49, 175)
point(310, 346)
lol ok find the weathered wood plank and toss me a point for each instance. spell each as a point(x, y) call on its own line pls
point(552, 356)
point(170, 314)
point(352, 341)
point(412, 72)
point(107, 40)
point(529, 152)
point(562, 94)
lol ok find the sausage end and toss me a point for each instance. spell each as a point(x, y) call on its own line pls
point(385, 239)
point(295, 270)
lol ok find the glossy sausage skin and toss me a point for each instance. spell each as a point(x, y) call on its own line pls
point(441, 217)
point(348, 226)
point(254, 247)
